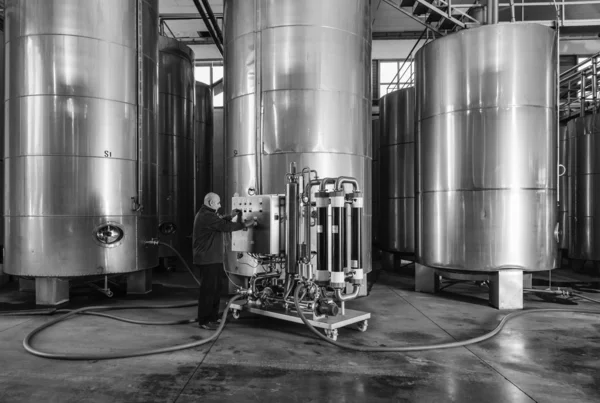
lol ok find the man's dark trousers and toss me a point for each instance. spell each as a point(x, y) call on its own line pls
point(210, 291)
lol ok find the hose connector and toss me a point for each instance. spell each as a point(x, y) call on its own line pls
point(152, 242)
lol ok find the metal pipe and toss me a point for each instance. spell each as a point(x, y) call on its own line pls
point(512, 10)
point(137, 201)
point(347, 179)
point(492, 12)
point(211, 31)
point(291, 232)
point(325, 182)
point(307, 210)
point(340, 297)
point(212, 18)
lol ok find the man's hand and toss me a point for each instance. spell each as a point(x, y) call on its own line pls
point(251, 222)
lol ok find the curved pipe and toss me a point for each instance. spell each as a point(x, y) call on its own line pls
point(347, 297)
point(325, 182)
point(347, 179)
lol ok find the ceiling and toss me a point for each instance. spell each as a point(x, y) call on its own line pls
point(388, 22)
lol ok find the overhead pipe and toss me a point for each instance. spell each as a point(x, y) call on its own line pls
point(210, 27)
point(492, 12)
point(212, 18)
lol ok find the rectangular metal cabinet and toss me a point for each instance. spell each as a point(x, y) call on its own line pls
point(265, 238)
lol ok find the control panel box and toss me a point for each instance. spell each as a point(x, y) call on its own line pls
point(266, 237)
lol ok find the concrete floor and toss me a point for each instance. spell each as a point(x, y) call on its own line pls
point(542, 357)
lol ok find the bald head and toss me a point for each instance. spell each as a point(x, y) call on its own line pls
point(212, 200)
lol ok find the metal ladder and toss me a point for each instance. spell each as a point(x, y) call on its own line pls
point(440, 16)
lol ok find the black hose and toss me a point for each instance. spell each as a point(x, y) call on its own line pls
point(440, 346)
point(27, 342)
point(104, 356)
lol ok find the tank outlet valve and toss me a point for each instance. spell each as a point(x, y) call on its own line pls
point(109, 234)
point(167, 228)
point(328, 308)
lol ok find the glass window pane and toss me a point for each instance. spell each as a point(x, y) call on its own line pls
point(387, 71)
point(217, 73)
point(202, 74)
point(218, 100)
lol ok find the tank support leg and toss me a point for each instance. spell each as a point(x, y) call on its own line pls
point(139, 282)
point(426, 279)
point(506, 289)
point(51, 291)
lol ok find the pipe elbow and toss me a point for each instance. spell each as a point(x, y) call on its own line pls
point(340, 297)
point(346, 179)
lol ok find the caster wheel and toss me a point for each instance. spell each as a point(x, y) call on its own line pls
point(235, 313)
point(109, 293)
point(331, 334)
point(362, 326)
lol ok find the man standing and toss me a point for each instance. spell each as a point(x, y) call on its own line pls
point(208, 256)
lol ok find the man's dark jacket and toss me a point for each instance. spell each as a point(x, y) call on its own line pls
point(208, 235)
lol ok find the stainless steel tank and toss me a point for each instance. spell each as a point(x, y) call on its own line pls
point(563, 186)
point(203, 136)
point(375, 179)
point(584, 187)
point(2, 153)
point(397, 188)
point(218, 153)
point(297, 89)
point(175, 145)
point(71, 158)
point(486, 149)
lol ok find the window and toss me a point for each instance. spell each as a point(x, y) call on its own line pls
point(210, 74)
point(394, 75)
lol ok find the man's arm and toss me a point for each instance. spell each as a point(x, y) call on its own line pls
point(220, 225)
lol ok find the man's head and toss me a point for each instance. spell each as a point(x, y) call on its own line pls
point(212, 200)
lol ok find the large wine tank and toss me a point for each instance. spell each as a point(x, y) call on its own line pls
point(375, 181)
point(2, 153)
point(584, 187)
point(218, 153)
point(297, 89)
point(203, 136)
point(80, 154)
point(397, 189)
point(175, 145)
point(486, 149)
point(563, 186)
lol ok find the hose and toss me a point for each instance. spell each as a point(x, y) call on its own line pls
point(27, 342)
point(440, 346)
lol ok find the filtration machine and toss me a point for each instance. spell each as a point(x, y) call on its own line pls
point(321, 273)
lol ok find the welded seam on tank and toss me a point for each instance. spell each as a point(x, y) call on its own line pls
point(265, 154)
point(74, 156)
point(510, 106)
point(485, 363)
point(486, 189)
point(170, 94)
point(134, 49)
point(368, 41)
point(76, 96)
point(356, 95)
point(388, 145)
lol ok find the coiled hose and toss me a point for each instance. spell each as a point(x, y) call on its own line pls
point(93, 310)
point(440, 346)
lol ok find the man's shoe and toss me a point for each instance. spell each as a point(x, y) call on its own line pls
point(216, 324)
point(209, 326)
